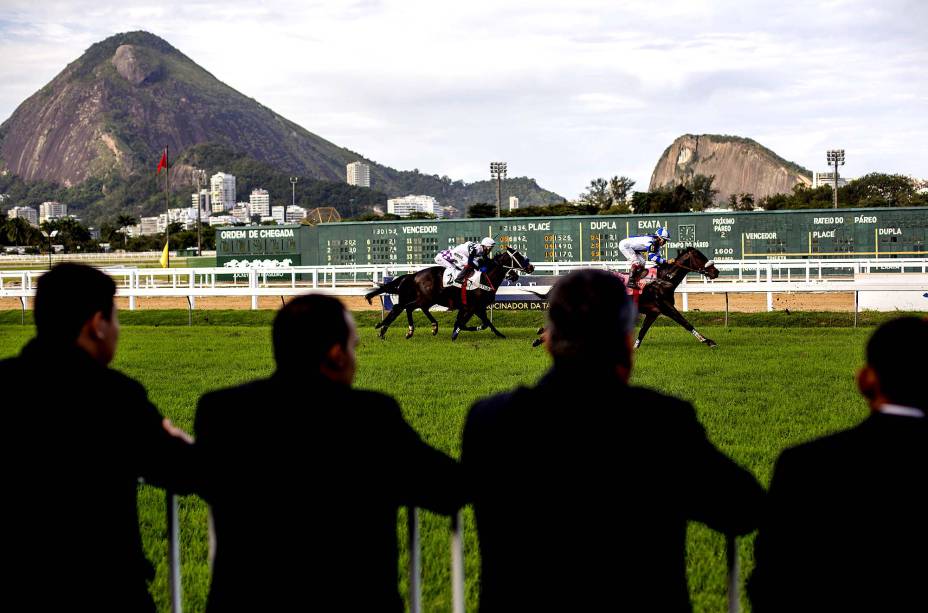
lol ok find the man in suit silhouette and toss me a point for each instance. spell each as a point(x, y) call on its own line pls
point(306, 476)
point(845, 528)
point(79, 438)
point(583, 485)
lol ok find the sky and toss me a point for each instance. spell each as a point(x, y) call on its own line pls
point(563, 92)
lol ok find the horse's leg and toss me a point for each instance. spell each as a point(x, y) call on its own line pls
point(411, 328)
point(463, 315)
point(432, 319)
point(393, 314)
point(482, 314)
point(674, 314)
point(648, 320)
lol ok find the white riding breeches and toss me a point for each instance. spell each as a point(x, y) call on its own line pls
point(446, 259)
point(632, 255)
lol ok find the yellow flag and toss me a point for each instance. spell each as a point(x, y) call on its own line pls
point(164, 256)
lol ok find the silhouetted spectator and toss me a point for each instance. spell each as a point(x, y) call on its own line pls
point(583, 485)
point(845, 528)
point(306, 476)
point(79, 437)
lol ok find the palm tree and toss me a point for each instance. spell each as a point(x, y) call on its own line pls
point(124, 221)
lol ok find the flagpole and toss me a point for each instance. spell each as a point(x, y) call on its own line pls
point(167, 205)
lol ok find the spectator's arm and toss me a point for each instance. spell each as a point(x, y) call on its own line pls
point(718, 492)
point(425, 476)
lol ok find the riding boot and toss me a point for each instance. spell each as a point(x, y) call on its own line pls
point(465, 273)
point(634, 276)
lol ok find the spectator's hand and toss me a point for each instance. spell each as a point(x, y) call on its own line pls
point(175, 431)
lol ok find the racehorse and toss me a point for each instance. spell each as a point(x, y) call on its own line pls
point(657, 296)
point(424, 289)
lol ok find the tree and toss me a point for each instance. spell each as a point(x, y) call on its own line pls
point(878, 189)
point(123, 222)
point(746, 202)
point(703, 192)
point(19, 232)
point(597, 194)
point(481, 209)
point(619, 189)
point(733, 202)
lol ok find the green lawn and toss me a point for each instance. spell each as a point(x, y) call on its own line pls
point(770, 384)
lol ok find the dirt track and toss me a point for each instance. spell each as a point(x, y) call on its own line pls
point(745, 303)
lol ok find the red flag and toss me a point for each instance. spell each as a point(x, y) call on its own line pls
point(164, 161)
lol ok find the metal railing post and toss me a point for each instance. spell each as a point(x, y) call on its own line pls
point(174, 553)
point(734, 572)
point(415, 561)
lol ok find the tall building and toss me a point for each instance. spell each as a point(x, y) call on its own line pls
point(149, 225)
point(52, 210)
point(294, 213)
point(260, 202)
point(359, 174)
point(407, 205)
point(827, 178)
point(241, 212)
point(201, 200)
point(513, 203)
point(24, 212)
point(222, 192)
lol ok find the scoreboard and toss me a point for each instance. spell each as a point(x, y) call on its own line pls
point(726, 235)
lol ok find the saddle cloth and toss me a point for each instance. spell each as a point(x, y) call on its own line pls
point(646, 279)
point(473, 282)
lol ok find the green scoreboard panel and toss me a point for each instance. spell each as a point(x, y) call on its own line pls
point(249, 247)
point(819, 233)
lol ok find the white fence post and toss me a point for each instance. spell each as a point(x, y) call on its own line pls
point(415, 561)
point(457, 562)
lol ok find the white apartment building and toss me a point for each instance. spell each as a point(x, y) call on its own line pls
point(24, 212)
point(52, 210)
point(221, 220)
point(513, 203)
point(149, 225)
point(827, 178)
point(222, 192)
point(202, 200)
point(241, 212)
point(359, 174)
point(294, 213)
point(407, 205)
point(260, 202)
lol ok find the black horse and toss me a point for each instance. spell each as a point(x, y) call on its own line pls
point(657, 296)
point(424, 289)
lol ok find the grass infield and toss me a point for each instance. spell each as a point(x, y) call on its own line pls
point(775, 381)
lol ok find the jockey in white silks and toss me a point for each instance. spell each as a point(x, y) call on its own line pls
point(637, 248)
point(464, 257)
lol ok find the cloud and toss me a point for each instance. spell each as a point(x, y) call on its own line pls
point(563, 91)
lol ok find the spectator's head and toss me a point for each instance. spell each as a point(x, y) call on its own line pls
point(895, 368)
point(74, 305)
point(315, 332)
point(590, 319)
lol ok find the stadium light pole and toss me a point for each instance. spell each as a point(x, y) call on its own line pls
point(50, 237)
point(498, 172)
point(835, 158)
point(293, 181)
point(199, 176)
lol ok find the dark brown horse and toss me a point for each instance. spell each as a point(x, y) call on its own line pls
point(657, 296)
point(424, 289)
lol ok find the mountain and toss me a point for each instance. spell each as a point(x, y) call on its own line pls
point(110, 112)
point(740, 165)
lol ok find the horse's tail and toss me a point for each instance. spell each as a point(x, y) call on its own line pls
point(392, 287)
point(542, 296)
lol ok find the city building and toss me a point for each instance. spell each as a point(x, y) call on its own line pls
point(149, 225)
point(52, 210)
point(295, 213)
point(408, 205)
point(242, 212)
point(260, 202)
point(24, 212)
point(513, 203)
point(827, 178)
point(359, 174)
point(221, 220)
point(222, 192)
point(202, 200)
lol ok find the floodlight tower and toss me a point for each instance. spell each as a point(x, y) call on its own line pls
point(835, 158)
point(498, 172)
point(293, 181)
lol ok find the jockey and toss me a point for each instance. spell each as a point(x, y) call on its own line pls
point(636, 248)
point(464, 257)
